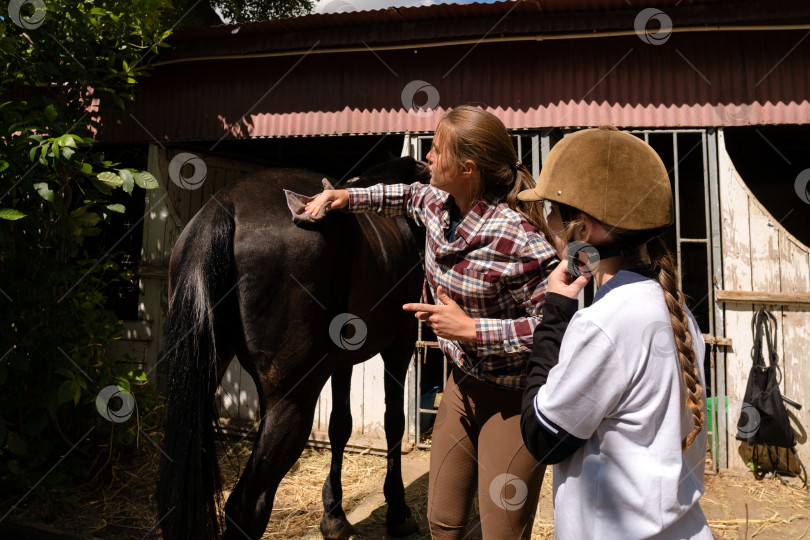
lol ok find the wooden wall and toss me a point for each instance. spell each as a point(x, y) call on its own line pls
point(760, 255)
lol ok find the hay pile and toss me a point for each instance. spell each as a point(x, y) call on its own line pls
point(758, 508)
point(122, 506)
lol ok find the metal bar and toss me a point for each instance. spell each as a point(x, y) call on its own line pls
point(657, 131)
point(538, 155)
point(677, 193)
point(694, 241)
point(715, 341)
point(717, 283)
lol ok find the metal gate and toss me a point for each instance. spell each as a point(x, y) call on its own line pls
point(691, 159)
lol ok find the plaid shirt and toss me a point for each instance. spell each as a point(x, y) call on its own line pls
point(495, 270)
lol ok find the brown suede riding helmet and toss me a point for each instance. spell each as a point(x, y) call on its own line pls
point(612, 176)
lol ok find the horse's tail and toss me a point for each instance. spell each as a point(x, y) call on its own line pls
point(189, 487)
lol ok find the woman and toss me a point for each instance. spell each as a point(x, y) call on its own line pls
point(615, 400)
point(486, 262)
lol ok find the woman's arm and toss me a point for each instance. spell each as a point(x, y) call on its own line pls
point(383, 199)
point(547, 442)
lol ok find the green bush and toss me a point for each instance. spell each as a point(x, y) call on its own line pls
point(59, 61)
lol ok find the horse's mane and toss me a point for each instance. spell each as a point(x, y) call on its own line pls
point(404, 170)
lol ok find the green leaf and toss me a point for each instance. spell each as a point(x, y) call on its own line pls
point(104, 188)
point(127, 179)
point(146, 180)
point(77, 395)
point(93, 231)
point(3, 165)
point(119, 208)
point(66, 390)
point(11, 214)
point(110, 179)
point(68, 152)
point(123, 385)
point(66, 140)
point(16, 445)
point(44, 191)
point(50, 113)
point(87, 168)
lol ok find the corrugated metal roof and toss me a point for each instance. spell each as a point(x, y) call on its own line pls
point(697, 79)
point(707, 78)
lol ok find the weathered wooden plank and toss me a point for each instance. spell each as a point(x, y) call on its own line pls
point(228, 392)
point(356, 398)
point(781, 298)
point(734, 213)
point(719, 341)
point(796, 331)
point(374, 398)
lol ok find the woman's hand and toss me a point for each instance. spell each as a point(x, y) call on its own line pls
point(338, 197)
point(447, 319)
point(561, 282)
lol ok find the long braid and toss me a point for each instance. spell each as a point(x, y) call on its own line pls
point(663, 264)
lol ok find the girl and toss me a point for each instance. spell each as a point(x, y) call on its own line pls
point(616, 399)
point(486, 261)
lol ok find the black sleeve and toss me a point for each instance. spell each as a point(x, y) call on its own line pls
point(545, 441)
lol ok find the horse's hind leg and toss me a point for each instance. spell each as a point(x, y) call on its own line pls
point(334, 525)
point(399, 521)
point(282, 435)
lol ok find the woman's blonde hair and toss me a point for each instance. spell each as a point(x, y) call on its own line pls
point(654, 254)
point(470, 133)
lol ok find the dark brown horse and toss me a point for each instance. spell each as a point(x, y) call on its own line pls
point(246, 281)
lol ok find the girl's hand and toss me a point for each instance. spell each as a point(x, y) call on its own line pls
point(338, 197)
point(447, 319)
point(561, 282)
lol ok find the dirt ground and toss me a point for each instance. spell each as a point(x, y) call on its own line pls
point(736, 505)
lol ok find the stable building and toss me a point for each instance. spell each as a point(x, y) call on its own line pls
point(720, 89)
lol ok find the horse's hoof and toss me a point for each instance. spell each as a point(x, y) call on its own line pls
point(336, 529)
point(406, 528)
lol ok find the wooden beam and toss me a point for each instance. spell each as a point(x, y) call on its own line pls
point(719, 341)
point(800, 299)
